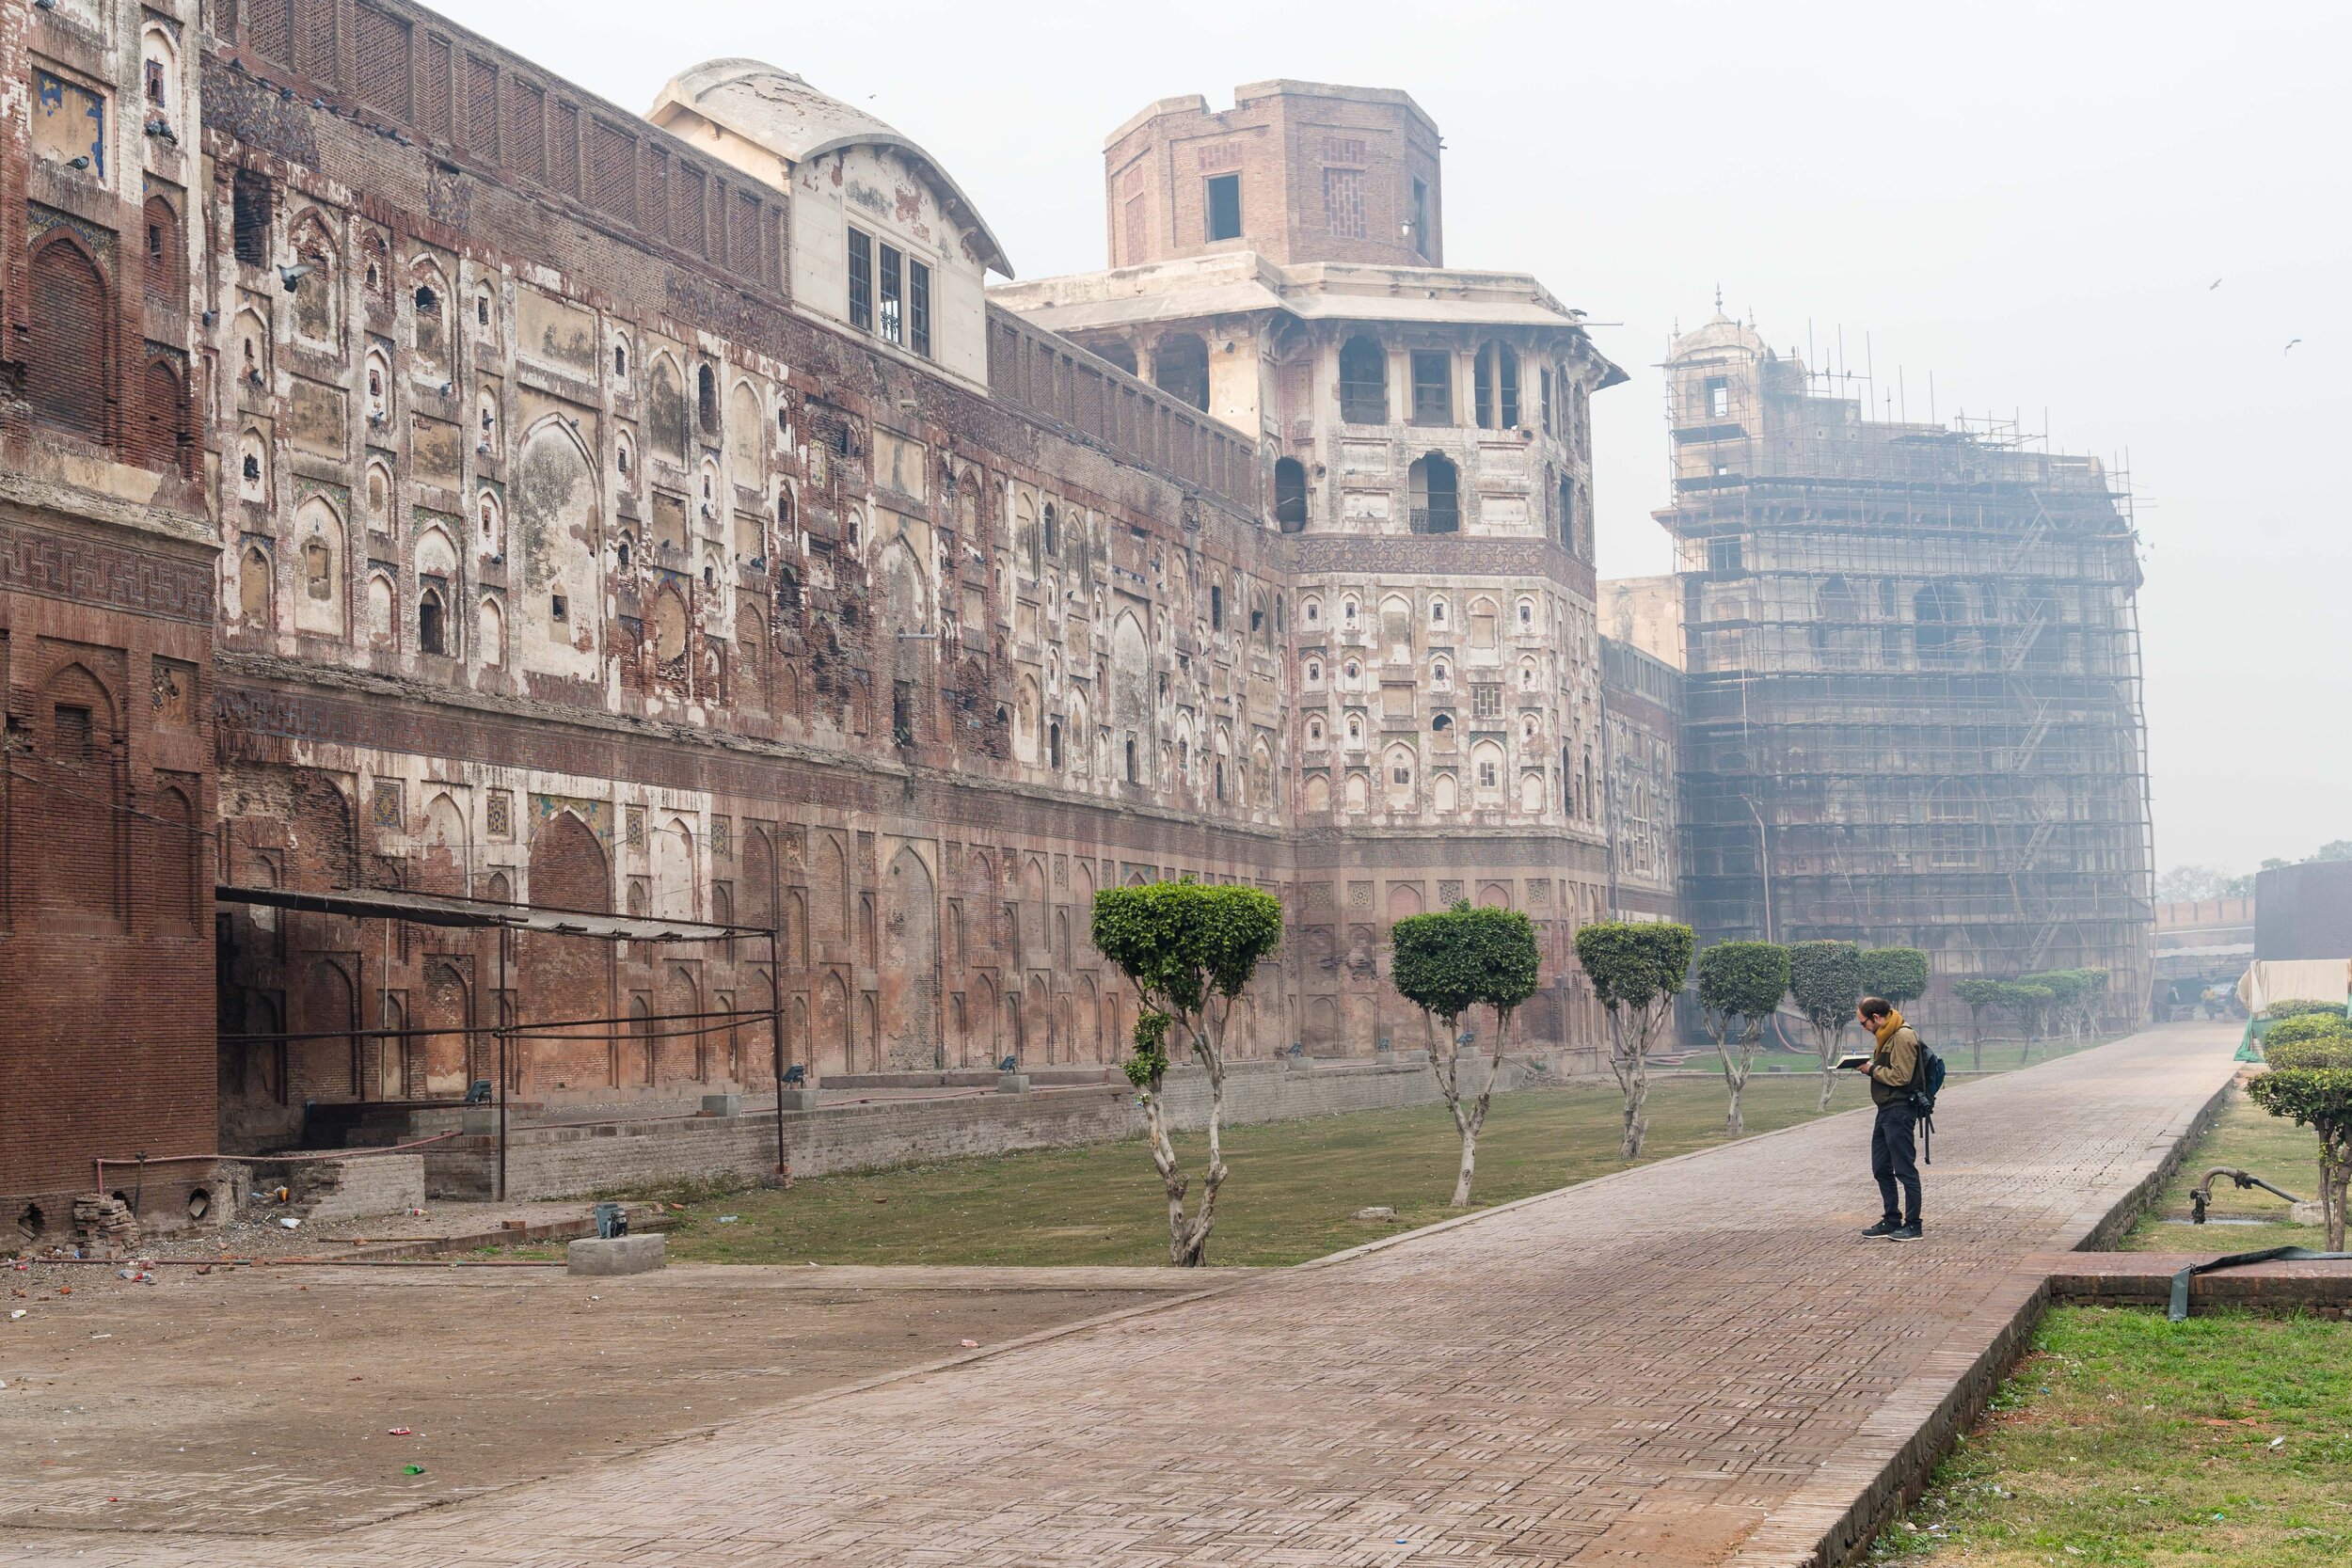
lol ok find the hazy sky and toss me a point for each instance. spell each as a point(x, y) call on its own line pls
point(2030, 201)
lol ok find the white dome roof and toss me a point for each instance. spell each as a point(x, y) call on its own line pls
point(1720, 333)
point(782, 113)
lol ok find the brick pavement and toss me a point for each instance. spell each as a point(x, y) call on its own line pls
point(1695, 1362)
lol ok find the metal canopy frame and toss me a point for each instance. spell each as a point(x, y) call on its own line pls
point(457, 910)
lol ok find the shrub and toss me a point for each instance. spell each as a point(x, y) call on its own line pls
point(1740, 984)
point(2280, 1011)
point(1637, 969)
point(1898, 974)
point(2311, 1081)
point(2302, 1027)
point(2327, 1054)
point(1825, 982)
point(1978, 995)
point(1447, 963)
point(1189, 950)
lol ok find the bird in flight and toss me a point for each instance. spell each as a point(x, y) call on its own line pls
point(2290, 348)
point(2212, 286)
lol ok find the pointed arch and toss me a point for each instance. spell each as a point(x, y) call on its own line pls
point(676, 871)
point(252, 460)
point(1132, 736)
point(829, 888)
point(165, 441)
point(70, 351)
point(255, 594)
point(316, 296)
point(430, 317)
point(383, 596)
point(490, 634)
point(665, 409)
point(443, 851)
point(556, 550)
point(321, 550)
point(832, 1022)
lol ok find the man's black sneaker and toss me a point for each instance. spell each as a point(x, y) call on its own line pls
point(1884, 1227)
point(1905, 1233)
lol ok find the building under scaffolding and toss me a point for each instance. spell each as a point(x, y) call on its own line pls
point(1914, 678)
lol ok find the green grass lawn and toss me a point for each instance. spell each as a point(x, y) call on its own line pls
point(2245, 1138)
point(2125, 1439)
point(1292, 1189)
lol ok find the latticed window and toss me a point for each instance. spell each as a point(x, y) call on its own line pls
point(1344, 201)
point(861, 281)
point(1363, 382)
point(919, 308)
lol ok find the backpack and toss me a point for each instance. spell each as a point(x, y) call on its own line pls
point(1927, 1081)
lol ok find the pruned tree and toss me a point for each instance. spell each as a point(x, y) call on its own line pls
point(2070, 989)
point(2095, 982)
point(2310, 1079)
point(1898, 974)
point(1825, 981)
point(1740, 984)
point(1447, 963)
point(1189, 950)
point(1978, 996)
point(1637, 969)
point(2027, 1003)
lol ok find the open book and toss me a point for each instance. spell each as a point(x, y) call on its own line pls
point(1848, 1062)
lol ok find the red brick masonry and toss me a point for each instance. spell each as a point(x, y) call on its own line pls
point(2145, 1279)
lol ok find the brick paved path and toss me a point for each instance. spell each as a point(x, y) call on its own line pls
point(1695, 1362)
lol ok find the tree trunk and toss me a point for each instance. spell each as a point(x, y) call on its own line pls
point(1977, 1048)
point(1735, 1070)
point(1445, 1065)
point(1825, 1041)
point(1164, 1159)
point(1470, 1122)
point(1208, 1044)
point(1469, 1167)
point(2335, 1178)
point(1631, 1065)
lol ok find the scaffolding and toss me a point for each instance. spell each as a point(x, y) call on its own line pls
point(1914, 677)
point(508, 1037)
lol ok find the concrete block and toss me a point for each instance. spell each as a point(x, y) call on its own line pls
point(598, 1258)
point(1012, 1083)
point(2309, 1211)
point(800, 1099)
point(722, 1105)
point(477, 1120)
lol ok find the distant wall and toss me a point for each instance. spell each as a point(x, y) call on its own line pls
point(569, 1160)
point(2304, 911)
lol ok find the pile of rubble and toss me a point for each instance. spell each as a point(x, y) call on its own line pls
point(106, 1225)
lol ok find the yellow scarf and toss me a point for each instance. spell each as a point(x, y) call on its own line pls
point(1886, 1030)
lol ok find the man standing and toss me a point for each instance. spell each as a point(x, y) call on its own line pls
point(1893, 1067)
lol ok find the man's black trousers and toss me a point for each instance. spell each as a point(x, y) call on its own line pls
point(1895, 1160)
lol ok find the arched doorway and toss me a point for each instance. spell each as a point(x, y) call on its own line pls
point(560, 976)
point(910, 966)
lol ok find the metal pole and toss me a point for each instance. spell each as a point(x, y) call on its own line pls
point(1764, 859)
point(775, 1023)
point(383, 1009)
point(505, 934)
